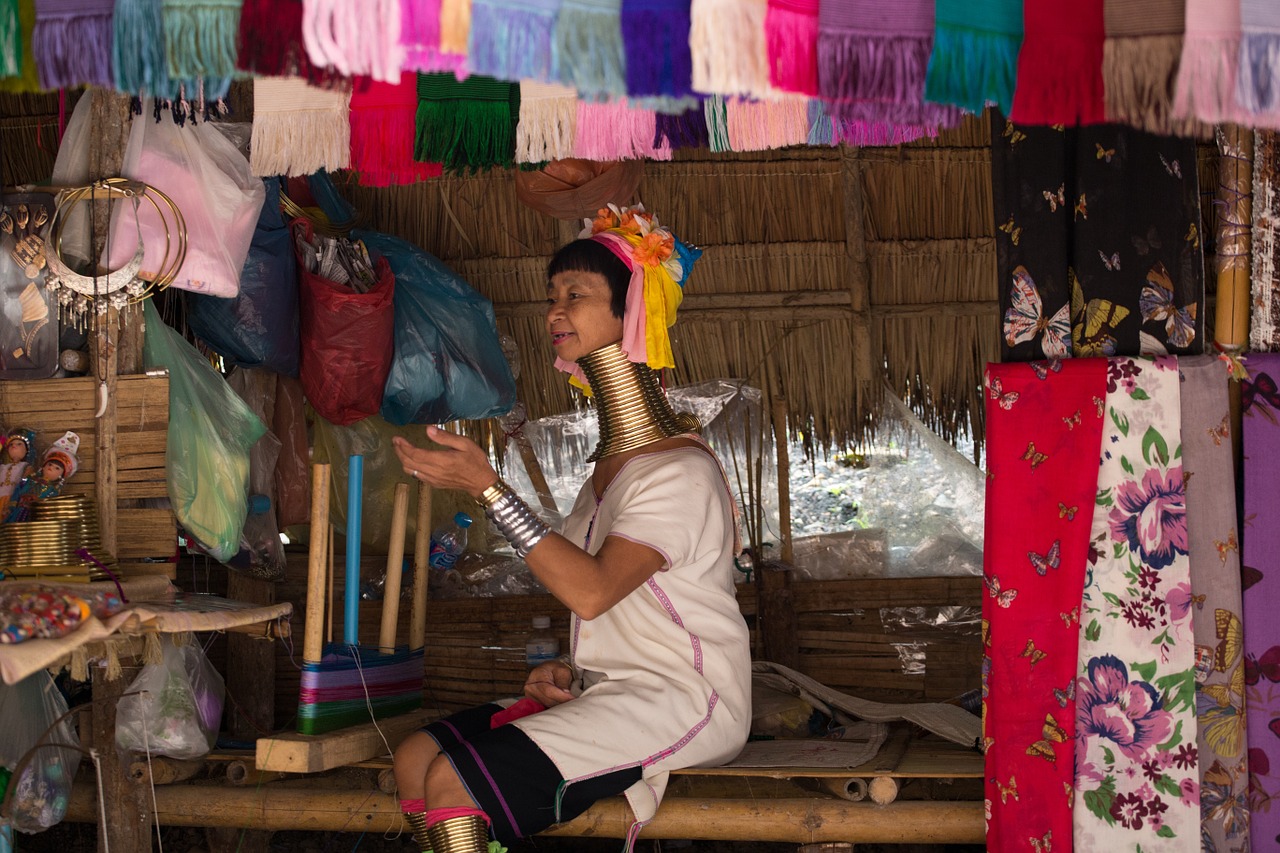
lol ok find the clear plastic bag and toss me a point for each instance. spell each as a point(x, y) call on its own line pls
point(211, 431)
point(40, 792)
point(177, 706)
point(210, 182)
point(261, 553)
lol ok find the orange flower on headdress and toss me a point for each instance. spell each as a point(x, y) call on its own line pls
point(654, 248)
point(606, 218)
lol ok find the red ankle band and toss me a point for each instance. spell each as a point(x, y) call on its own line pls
point(434, 816)
point(413, 806)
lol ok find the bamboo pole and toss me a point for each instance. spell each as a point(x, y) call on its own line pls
point(853, 789)
point(313, 631)
point(784, 478)
point(395, 564)
point(1234, 237)
point(163, 771)
point(244, 774)
point(421, 555)
point(798, 820)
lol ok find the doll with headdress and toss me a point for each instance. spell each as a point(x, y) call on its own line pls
point(17, 461)
point(58, 464)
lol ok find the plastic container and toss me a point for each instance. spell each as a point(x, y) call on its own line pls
point(542, 646)
point(448, 542)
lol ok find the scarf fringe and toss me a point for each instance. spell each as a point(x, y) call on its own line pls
point(465, 135)
point(10, 39)
point(420, 38)
point(141, 67)
point(791, 46)
point(821, 128)
point(201, 40)
point(546, 129)
point(382, 148)
point(355, 36)
point(455, 26)
point(1258, 84)
point(761, 125)
point(511, 44)
point(854, 66)
point(682, 130)
point(727, 47)
point(615, 131)
point(971, 68)
point(863, 134)
point(269, 41)
point(587, 52)
point(28, 78)
point(656, 45)
point(1137, 75)
point(299, 142)
point(717, 124)
point(73, 50)
point(1059, 82)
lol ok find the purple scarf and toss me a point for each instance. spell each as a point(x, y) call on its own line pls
point(72, 41)
point(655, 36)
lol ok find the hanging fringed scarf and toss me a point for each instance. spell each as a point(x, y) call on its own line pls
point(872, 61)
point(726, 42)
point(587, 51)
point(420, 38)
point(1042, 421)
point(655, 36)
point(821, 129)
point(455, 26)
point(1264, 283)
point(466, 125)
point(791, 43)
point(71, 42)
point(548, 122)
point(1140, 63)
point(200, 37)
point(975, 53)
point(356, 37)
point(1060, 64)
point(762, 125)
point(1209, 474)
point(862, 134)
point(270, 41)
point(10, 39)
point(383, 123)
point(1258, 80)
point(511, 39)
point(717, 124)
point(298, 129)
point(681, 130)
point(138, 50)
point(1136, 762)
point(617, 131)
point(1260, 577)
point(28, 78)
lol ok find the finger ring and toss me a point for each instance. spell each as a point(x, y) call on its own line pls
point(414, 473)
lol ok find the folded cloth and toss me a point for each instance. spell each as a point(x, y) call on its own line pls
point(522, 708)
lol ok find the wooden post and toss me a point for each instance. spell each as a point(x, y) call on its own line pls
point(128, 808)
point(251, 664)
point(421, 554)
point(786, 549)
point(395, 564)
point(773, 579)
point(313, 631)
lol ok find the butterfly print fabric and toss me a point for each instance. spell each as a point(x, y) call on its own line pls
point(1260, 577)
point(1264, 282)
point(1098, 232)
point(1042, 420)
point(1214, 602)
point(1137, 769)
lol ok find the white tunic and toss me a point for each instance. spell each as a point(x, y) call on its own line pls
point(667, 670)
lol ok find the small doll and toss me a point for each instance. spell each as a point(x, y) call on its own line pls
point(16, 462)
point(59, 464)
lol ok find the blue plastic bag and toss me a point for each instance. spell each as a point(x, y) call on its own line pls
point(258, 328)
point(448, 364)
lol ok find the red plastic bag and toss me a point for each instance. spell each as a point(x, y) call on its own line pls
point(347, 342)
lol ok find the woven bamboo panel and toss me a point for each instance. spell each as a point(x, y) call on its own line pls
point(928, 194)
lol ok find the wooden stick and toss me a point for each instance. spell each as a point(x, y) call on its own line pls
point(242, 773)
point(421, 554)
point(784, 479)
point(534, 469)
point(312, 646)
point(395, 563)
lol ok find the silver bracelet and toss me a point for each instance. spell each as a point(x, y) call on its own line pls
point(513, 518)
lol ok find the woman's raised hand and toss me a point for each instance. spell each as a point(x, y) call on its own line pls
point(460, 464)
point(549, 682)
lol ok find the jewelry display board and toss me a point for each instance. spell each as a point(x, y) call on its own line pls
point(29, 327)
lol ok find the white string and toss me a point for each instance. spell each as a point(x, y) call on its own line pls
point(367, 701)
point(102, 802)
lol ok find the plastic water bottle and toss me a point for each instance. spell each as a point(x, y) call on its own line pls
point(448, 542)
point(541, 646)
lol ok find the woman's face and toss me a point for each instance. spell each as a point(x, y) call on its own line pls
point(579, 317)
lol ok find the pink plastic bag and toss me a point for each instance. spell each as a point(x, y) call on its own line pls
point(209, 180)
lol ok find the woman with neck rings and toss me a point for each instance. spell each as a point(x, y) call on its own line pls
point(658, 675)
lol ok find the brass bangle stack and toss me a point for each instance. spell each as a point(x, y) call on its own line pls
point(465, 834)
point(513, 518)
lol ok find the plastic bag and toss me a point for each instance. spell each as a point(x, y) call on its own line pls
point(261, 553)
point(210, 182)
point(346, 341)
point(177, 706)
point(210, 433)
point(258, 328)
point(448, 363)
point(39, 795)
point(71, 169)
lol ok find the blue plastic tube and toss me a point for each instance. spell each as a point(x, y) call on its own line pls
point(351, 589)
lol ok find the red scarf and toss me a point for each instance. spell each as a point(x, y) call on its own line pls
point(1060, 64)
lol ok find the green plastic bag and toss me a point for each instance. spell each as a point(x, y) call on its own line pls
point(210, 433)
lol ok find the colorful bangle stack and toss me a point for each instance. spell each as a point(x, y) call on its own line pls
point(513, 518)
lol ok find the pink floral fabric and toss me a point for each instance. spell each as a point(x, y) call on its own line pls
point(1137, 767)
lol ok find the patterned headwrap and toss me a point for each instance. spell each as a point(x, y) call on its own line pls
point(659, 265)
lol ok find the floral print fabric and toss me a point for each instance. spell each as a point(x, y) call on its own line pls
point(1137, 762)
point(1043, 418)
point(1260, 577)
point(1209, 474)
